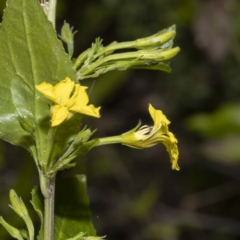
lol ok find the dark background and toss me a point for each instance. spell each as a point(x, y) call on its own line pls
point(134, 194)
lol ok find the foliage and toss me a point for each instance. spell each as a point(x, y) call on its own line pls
point(37, 70)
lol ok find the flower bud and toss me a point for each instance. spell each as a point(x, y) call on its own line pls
point(155, 40)
point(17, 204)
point(158, 55)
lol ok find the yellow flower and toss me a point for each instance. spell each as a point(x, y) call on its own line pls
point(68, 98)
point(148, 136)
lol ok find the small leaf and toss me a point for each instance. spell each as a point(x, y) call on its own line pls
point(38, 204)
point(14, 232)
point(19, 207)
point(72, 211)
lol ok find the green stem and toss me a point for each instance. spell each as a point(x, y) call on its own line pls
point(81, 58)
point(109, 140)
point(48, 184)
point(116, 46)
point(52, 12)
point(48, 191)
point(156, 55)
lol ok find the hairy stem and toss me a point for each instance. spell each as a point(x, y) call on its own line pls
point(48, 184)
point(48, 191)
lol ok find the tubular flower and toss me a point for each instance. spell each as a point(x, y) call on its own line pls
point(148, 136)
point(68, 98)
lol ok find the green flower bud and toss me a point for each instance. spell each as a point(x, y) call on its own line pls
point(67, 36)
point(159, 55)
point(17, 204)
point(155, 40)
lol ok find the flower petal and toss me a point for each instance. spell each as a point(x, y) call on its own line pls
point(148, 136)
point(157, 116)
point(47, 90)
point(59, 115)
point(90, 110)
point(81, 106)
point(68, 98)
point(81, 99)
point(63, 91)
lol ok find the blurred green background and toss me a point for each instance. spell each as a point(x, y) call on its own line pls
point(134, 194)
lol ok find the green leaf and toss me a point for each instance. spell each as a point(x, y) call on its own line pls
point(30, 53)
point(14, 232)
point(222, 122)
point(19, 207)
point(72, 211)
point(223, 150)
point(37, 202)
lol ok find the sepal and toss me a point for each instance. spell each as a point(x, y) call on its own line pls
point(79, 146)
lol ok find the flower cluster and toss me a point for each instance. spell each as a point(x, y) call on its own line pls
point(68, 98)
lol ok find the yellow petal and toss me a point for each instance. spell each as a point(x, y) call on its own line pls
point(81, 106)
point(68, 98)
point(59, 115)
point(82, 97)
point(47, 90)
point(90, 110)
point(73, 99)
point(63, 91)
point(157, 116)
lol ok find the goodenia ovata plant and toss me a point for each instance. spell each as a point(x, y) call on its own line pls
point(43, 99)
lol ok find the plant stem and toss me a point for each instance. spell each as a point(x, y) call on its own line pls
point(109, 140)
point(48, 184)
point(48, 191)
point(52, 11)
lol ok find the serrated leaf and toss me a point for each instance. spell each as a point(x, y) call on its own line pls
point(30, 53)
point(38, 205)
point(72, 211)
